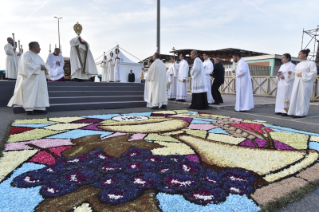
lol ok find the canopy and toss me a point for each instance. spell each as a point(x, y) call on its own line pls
point(126, 65)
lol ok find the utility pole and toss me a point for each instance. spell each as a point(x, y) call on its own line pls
point(58, 28)
point(158, 36)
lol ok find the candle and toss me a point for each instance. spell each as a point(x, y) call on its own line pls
point(14, 40)
point(61, 48)
point(19, 46)
point(50, 47)
point(55, 46)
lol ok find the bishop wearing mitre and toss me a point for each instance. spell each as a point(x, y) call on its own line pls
point(12, 60)
point(31, 90)
point(82, 63)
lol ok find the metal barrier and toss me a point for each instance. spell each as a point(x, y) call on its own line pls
point(262, 86)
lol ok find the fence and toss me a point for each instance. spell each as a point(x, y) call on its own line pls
point(255, 70)
point(262, 86)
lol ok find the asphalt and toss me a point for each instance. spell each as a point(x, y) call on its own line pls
point(264, 111)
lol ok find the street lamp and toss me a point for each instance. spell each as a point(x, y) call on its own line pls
point(58, 27)
point(158, 30)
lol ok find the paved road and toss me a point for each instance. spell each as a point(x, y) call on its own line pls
point(310, 123)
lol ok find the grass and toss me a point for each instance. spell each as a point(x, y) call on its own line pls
point(292, 197)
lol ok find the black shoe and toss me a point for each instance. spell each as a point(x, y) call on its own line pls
point(221, 101)
point(163, 107)
point(171, 99)
point(215, 103)
point(42, 112)
point(29, 112)
point(279, 114)
point(154, 108)
point(284, 114)
point(298, 117)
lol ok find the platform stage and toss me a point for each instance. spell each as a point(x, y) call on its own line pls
point(64, 96)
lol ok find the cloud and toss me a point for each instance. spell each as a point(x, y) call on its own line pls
point(45, 3)
point(290, 25)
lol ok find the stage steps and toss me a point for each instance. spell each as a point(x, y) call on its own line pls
point(64, 96)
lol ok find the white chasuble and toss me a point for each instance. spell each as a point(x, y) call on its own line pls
point(110, 69)
point(105, 75)
point(284, 87)
point(183, 69)
point(11, 62)
point(81, 57)
point(117, 69)
point(146, 89)
point(244, 90)
point(209, 68)
point(198, 77)
point(157, 84)
point(172, 79)
point(31, 90)
point(56, 71)
point(302, 88)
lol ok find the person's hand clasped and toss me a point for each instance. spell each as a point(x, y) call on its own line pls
point(282, 77)
point(43, 67)
point(299, 75)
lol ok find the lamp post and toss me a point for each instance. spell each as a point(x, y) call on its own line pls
point(58, 27)
point(158, 37)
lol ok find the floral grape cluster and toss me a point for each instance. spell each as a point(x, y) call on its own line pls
point(125, 178)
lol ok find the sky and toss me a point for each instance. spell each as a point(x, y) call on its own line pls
point(269, 26)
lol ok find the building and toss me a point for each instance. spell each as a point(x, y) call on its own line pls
point(270, 63)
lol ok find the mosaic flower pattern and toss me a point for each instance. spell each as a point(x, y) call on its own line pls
point(197, 161)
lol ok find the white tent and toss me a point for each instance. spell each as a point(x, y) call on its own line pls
point(126, 65)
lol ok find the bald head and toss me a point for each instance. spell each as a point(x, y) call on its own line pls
point(193, 54)
point(10, 40)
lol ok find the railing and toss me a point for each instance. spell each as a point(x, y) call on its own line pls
point(255, 70)
point(262, 86)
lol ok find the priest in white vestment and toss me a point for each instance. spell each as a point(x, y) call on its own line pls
point(104, 66)
point(285, 78)
point(117, 68)
point(83, 66)
point(110, 68)
point(182, 79)
point(209, 68)
point(172, 72)
point(305, 73)
point(199, 87)
point(31, 90)
point(12, 59)
point(157, 83)
point(56, 63)
point(244, 90)
point(146, 83)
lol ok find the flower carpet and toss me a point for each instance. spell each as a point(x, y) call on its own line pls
point(154, 161)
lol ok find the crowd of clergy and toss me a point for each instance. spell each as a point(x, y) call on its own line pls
point(295, 82)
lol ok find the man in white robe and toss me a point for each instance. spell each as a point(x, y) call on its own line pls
point(104, 66)
point(11, 60)
point(285, 78)
point(172, 72)
point(157, 83)
point(56, 63)
point(209, 68)
point(31, 89)
point(199, 87)
point(110, 68)
point(302, 89)
point(117, 69)
point(83, 66)
point(244, 90)
point(182, 79)
point(146, 84)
